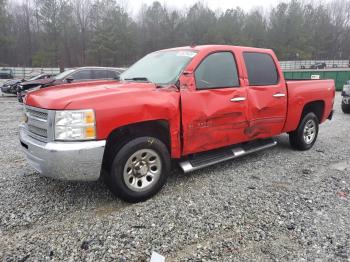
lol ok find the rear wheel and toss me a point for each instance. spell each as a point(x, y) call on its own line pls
point(139, 169)
point(345, 108)
point(304, 137)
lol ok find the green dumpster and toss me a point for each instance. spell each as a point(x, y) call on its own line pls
point(340, 76)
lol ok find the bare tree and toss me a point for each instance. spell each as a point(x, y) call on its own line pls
point(69, 33)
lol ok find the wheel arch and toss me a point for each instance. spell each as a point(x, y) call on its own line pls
point(316, 107)
point(118, 137)
point(296, 112)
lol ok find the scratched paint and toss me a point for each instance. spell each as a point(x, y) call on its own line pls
point(211, 120)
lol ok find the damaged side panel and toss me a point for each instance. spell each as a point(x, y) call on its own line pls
point(142, 105)
point(210, 120)
point(266, 112)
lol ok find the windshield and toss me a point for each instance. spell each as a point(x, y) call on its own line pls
point(163, 67)
point(64, 74)
point(34, 77)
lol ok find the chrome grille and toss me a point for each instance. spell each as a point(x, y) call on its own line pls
point(38, 131)
point(37, 123)
point(38, 114)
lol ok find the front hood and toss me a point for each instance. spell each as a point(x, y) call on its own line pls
point(59, 97)
point(12, 82)
point(39, 81)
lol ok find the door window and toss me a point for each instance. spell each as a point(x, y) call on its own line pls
point(261, 69)
point(112, 74)
point(100, 74)
point(218, 70)
point(82, 75)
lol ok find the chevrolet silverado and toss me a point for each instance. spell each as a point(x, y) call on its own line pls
point(197, 105)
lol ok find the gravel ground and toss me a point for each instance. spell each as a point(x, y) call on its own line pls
point(277, 204)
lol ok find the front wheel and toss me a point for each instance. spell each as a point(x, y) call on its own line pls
point(139, 169)
point(304, 137)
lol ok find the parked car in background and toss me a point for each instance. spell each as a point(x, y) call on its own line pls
point(345, 104)
point(318, 66)
point(5, 74)
point(11, 86)
point(199, 105)
point(75, 75)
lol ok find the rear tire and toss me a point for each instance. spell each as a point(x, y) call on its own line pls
point(304, 137)
point(345, 108)
point(139, 169)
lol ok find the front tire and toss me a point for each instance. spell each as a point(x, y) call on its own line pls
point(139, 169)
point(345, 108)
point(304, 137)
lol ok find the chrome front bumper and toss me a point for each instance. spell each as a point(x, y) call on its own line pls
point(80, 161)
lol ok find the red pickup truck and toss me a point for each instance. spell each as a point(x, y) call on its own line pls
point(198, 105)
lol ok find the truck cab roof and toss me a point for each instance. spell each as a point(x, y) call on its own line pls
point(220, 47)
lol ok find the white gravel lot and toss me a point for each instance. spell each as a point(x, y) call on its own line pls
point(278, 204)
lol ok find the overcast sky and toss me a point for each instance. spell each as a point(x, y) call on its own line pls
point(134, 5)
point(214, 4)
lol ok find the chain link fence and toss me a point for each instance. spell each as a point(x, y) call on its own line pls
point(314, 64)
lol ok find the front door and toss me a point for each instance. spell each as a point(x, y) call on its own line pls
point(214, 113)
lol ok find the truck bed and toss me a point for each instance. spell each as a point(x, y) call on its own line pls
point(302, 92)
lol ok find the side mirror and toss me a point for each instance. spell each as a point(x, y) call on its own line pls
point(69, 79)
point(116, 78)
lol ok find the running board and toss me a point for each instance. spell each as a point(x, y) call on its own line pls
point(205, 159)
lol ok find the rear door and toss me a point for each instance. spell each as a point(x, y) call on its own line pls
point(214, 111)
point(267, 95)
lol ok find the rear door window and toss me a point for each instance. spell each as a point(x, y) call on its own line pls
point(261, 69)
point(217, 70)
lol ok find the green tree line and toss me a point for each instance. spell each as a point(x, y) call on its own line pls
point(69, 33)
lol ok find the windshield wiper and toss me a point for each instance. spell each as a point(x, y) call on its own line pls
point(143, 79)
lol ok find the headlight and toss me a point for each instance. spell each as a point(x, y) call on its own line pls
point(75, 125)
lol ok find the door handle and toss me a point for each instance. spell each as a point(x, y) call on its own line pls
point(279, 95)
point(238, 99)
